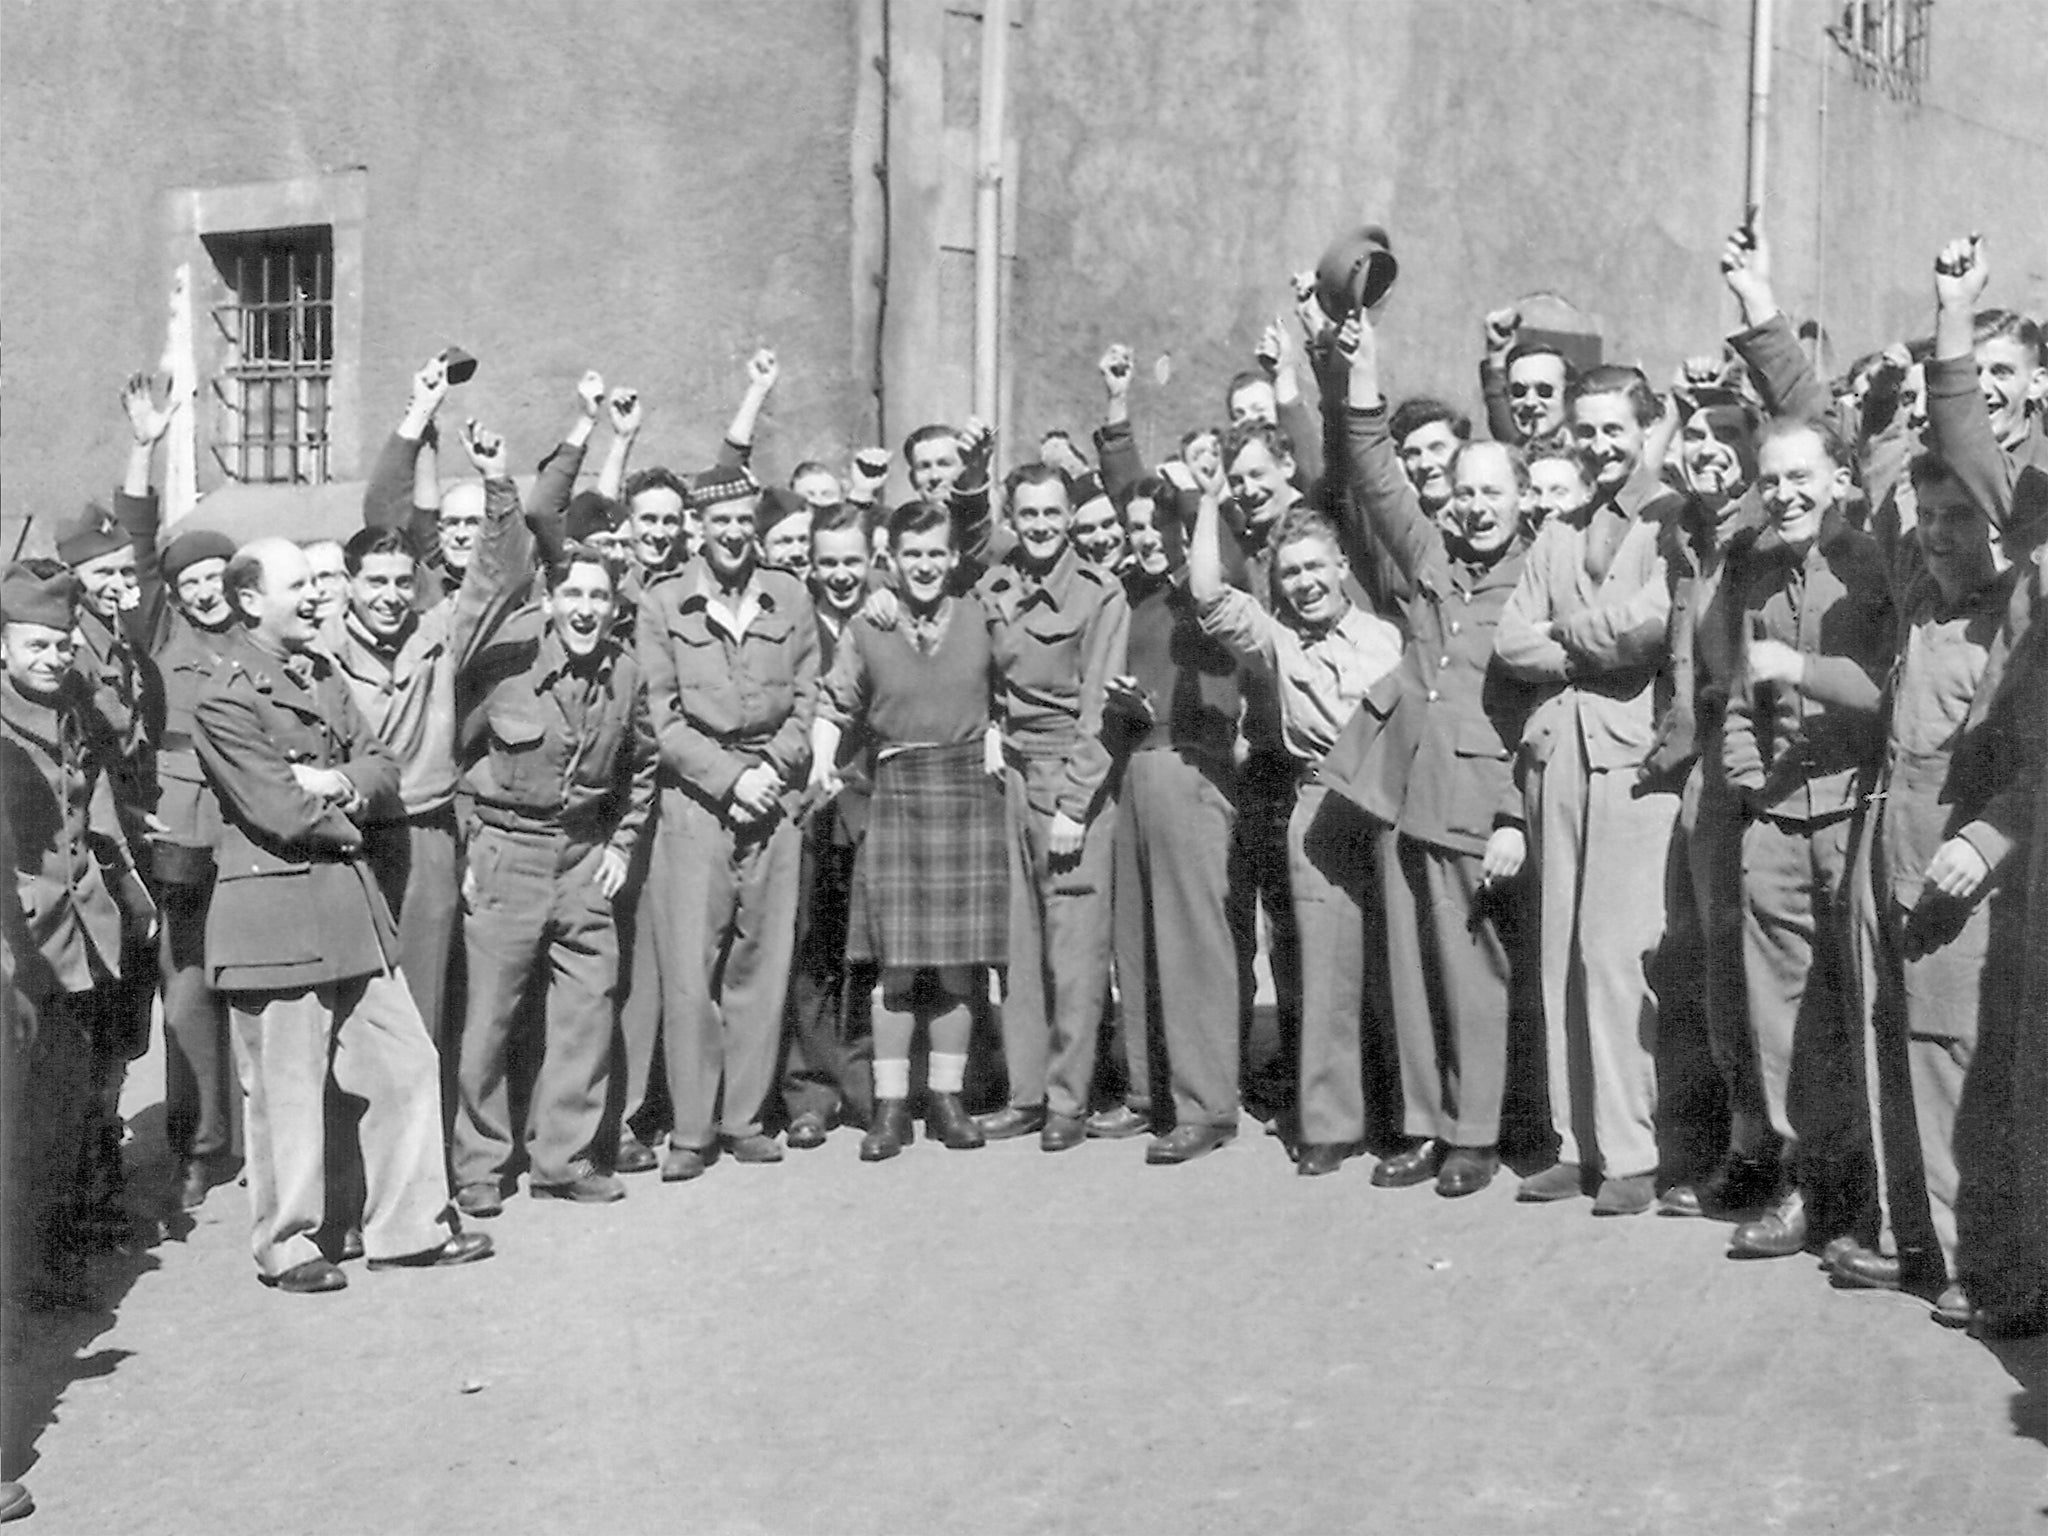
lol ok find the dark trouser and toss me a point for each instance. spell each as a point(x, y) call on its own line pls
point(1448, 971)
point(826, 1061)
point(536, 908)
point(725, 921)
point(48, 1096)
point(1271, 1057)
point(415, 864)
point(202, 1100)
point(1175, 959)
point(363, 1038)
point(1059, 958)
point(636, 1067)
point(1808, 1034)
point(1348, 1069)
point(1709, 1099)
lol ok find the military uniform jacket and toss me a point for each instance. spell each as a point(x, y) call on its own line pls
point(294, 903)
point(1432, 756)
point(729, 687)
point(128, 691)
point(59, 830)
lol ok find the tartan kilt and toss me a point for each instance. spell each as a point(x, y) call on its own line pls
point(931, 885)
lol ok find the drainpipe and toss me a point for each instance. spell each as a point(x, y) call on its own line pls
point(1761, 31)
point(988, 206)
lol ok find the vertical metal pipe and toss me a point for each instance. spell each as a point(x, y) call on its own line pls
point(1761, 31)
point(988, 207)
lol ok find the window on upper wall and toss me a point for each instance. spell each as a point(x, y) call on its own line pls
point(273, 389)
point(1887, 41)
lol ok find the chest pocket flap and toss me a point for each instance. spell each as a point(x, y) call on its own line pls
point(515, 727)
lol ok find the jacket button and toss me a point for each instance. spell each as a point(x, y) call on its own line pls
point(1434, 695)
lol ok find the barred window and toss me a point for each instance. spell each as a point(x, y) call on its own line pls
point(1887, 41)
point(278, 368)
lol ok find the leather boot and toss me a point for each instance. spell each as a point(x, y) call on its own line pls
point(892, 1131)
point(947, 1122)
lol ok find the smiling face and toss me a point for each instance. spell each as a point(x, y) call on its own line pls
point(1141, 532)
point(1557, 489)
point(729, 547)
point(36, 657)
point(1536, 394)
point(1259, 482)
point(381, 593)
point(107, 583)
point(200, 594)
point(330, 576)
point(934, 467)
point(1955, 536)
point(787, 545)
point(1098, 536)
point(925, 562)
point(1038, 516)
point(656, 519)
point(283, 610)
point(839, 570)
point(2012, 380)
point(579, 609)
point(1308, 573)
point(461, 523)
point(1711, 447)
point(1426, 455)
point(1799, 483)
point(1605, 426)
point(1486, 499)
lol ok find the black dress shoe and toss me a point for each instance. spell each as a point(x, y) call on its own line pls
point(462, 1248)
point(588, 1187)
point(1855, 1267)
point(1777, 1234)
point(634, 1156)
point(351, 1244)
point(947, 1122)
point(754, 1149)
point(1417, 1165)
point(806, 1131)
point(1119, 1122)
point(1318, 1157)
point(1185, 1143)
point(308, 1279)
point(1741, 1183)
point(1681, 1200)
point(482, 1201)
point(1952, 1308)
point(1007, 1122)
point(891, 1132)
point(1062, 1133)
point(1466, 1171)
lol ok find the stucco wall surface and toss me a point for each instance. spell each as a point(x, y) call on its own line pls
point(1181, 157)
point(649, 187)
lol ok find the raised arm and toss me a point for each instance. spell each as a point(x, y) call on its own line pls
point(1122, 465)
point(624, 410)
point(1501, 328)
point(1958, 424)
point(1382, 497)
point(136, 508)
point(1784, 374)
point(396, 496)
point(738, 447)
point(502, 568)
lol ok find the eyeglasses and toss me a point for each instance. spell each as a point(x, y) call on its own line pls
point(1542, 391)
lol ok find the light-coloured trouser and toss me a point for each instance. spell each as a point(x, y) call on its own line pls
point(1175, 957)
point(1447, 970)
point(1600, 851)
point(725, 926)
point(1059, 957)
point(536, 913)
point(1333, 868)
point(1799, 984)
point(1921, 1002)
point(365, 1032)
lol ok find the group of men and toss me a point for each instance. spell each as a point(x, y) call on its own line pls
point(1646, 787)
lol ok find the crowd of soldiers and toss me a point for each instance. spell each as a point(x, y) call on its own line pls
point(1643, 788)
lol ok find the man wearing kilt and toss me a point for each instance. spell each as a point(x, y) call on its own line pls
point(930, 893)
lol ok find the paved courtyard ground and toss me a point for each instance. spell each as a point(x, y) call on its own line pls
point(1003, 1341)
